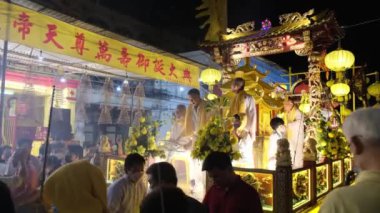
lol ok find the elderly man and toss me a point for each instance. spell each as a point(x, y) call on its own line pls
point(294, 121)
point(362, 129)
point(243, 106)
point(196, 118)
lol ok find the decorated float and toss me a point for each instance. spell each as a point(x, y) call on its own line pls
point(323, 102)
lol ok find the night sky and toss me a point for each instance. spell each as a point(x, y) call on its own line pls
point(177, 16)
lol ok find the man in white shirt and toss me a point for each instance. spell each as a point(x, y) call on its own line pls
point(279, 131)
point(362, 130)
point(196, 118)
point(125, 194)
point(294, 121)
point(244, 106)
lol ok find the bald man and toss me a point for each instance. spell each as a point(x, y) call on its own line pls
point(362, 130)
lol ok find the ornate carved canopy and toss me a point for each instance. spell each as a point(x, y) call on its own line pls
point(301, 33)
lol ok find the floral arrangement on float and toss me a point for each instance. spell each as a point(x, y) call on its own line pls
point(217, 135)
point(143, 138)
point(332, 143)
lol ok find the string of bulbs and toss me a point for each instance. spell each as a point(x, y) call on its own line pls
point(361, 23)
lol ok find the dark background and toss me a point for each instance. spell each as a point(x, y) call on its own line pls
point(178, 16)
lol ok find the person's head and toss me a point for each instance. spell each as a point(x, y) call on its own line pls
point(361, 129)
point(41, 151)
point(52, 164)
point(180, 112)
point(219, 168)
point(162, 173)
point(75, 153)
point(288, 105)
point(194, 96)
point(134, 166)
point(25, 143)
point(165, 199)
point(278, 125)
point(58, 149)
point(5, 153)
point(6, 204)
point(237, 85)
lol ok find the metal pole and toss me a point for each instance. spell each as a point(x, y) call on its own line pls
point(290, 78)
point(3, 72)
point(47, 142)
point(2, 101)
point(353, 93)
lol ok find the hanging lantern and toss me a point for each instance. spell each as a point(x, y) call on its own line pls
point(340, 89)
point(339, 60)
point(211, 76)
point(374, 90)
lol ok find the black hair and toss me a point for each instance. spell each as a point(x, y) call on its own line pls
point(217, 160)
point(6, 204)
point(24, 142)
point(166, 199)
point(163, 172)
point(194, 92)
point(76, 150)
point(132, 160)
point(53, 161)
point(276, 122)
point(240, 82)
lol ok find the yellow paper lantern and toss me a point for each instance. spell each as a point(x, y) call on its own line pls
point(374, 90)
point(211, 76)
point(340, 89)
point(339, 60)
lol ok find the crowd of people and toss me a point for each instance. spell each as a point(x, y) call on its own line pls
point(74, 184)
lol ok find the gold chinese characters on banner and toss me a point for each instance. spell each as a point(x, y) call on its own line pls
point(36, 30)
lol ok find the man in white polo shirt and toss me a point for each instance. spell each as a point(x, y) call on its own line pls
point(362, 130)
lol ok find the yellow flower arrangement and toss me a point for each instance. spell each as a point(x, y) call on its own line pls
point(142, 139)
point(331, 141)
point(215, 137)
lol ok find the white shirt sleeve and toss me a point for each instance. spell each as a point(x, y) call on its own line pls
point(115, 195)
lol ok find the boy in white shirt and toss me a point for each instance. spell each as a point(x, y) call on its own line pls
point(279, 130)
